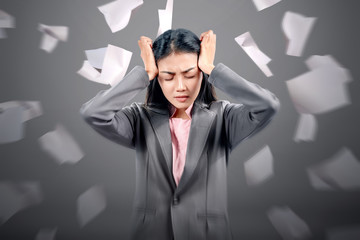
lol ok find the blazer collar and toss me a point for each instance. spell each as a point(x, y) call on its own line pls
point(201, 122)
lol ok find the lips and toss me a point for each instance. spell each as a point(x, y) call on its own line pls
point(182, 98)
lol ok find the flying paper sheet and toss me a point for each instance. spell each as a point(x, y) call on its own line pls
point(117, 13)
point(18, 196)
point(288, 224)
point(306, 128)
point(96, 57)
point(317, 182)
point(46, 234)
point(165, 17)
point(259, 168)
point(11, 124)
point(320, 90)
point(344, 233)
point(342, 171)
point(262, 4)
point(90, 204)
point(12, 116)
point(6, 21)
point(114, 65)
point(61, 146)
point(296, 28)
point(31, 109)
point(248, 44)
point(51, 36)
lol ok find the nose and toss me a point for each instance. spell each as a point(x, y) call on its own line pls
point(180, 85)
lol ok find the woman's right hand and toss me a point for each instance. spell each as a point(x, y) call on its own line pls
point(147, 56)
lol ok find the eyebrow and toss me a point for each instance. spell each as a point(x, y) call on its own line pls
point(172, 73)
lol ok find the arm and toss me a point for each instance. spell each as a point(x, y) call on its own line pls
point(106, 113)
point(257, 105)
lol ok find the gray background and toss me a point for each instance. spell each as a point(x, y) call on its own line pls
point(28, 73)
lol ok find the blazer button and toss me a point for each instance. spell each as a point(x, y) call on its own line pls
point(175, 200)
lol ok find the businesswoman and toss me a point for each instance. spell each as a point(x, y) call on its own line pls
point(182, 135)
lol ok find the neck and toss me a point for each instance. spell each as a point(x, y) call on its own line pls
point(180, 113)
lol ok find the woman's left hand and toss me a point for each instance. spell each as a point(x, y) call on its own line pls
point(207, 51)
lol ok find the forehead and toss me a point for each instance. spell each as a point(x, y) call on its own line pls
point(177, 62)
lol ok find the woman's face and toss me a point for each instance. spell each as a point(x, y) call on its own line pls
point(180, 79)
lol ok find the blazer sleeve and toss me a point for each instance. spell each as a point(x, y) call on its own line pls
point(255, 108)
point(106, 112)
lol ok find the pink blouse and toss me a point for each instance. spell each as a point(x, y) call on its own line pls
point(179, 129)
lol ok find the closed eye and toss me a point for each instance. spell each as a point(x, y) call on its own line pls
point(190, 76)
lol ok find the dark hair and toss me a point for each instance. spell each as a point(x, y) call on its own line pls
point(177, 41)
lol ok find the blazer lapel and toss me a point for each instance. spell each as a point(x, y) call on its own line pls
point(201, 122)
point(159, 118)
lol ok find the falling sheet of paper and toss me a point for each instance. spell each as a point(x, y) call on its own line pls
point(6, 21)
point(18, 196)
point(11, 124)
point(61, 146)
point(115, 65)
point(259, 168)
point(316, 61)
point(31, 109)
point(351, 232)
point(46, 234)
point(248, 44)
point(321, 90)
point(306, 128)
point(96, 57)
point(296, 28)
point(165, 17)
point(117, 13)
point(52, 35)
point(262, 4)
point(342, 171)
point(317, 182)
point(288, 224)
point(90, 204)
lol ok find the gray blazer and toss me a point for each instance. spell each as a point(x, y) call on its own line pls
point(196, 209)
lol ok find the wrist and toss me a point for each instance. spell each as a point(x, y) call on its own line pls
point(208, 68)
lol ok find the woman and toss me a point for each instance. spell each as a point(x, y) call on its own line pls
point(182, 135)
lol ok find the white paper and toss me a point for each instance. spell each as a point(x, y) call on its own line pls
point(288, 224)
point(306, 128)
point(262, 4)
point(248, 44)
point(259, 168)
point(351, 232)
point(320, 91)
point(51, 36)
point(165, 17)
point(90, 73)
point(296, 28)
point(18, 196)
point(61, 146)
point(117, 13)
point(317, 182)
point(6, 20)
point(328, 61)
point(31, 109)
point(46, 234)
point(11, 124)
point(90, 204)
point(115, 65)
point(96, 57)
point(342, 171)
